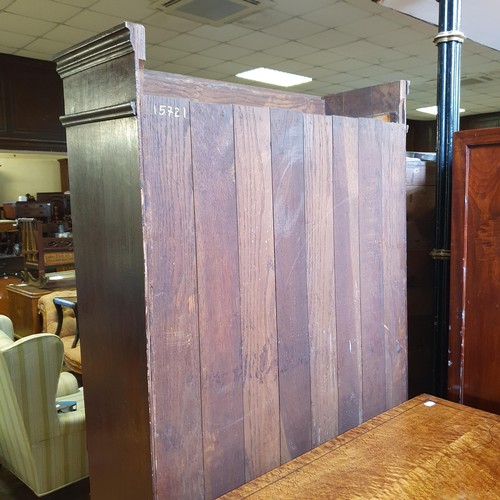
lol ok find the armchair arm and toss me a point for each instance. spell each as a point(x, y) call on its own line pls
point(5, 340)
point(68, 384)
point(6, 326)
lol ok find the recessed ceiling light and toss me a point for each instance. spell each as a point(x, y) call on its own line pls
point(433, 110)
point(274, 77)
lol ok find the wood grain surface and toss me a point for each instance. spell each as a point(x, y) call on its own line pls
point(474, 344)
point(411, 451)
point(245, 300)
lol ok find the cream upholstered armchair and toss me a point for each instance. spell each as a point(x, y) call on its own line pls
point(42, 447)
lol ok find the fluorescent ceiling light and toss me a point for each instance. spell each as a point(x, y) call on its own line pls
point(274, 77)
point(433, 110)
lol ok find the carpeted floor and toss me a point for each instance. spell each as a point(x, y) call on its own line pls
point(12, 488)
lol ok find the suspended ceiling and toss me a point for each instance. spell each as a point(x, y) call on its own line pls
point(340, 44)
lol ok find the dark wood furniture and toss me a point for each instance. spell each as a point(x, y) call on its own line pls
point(424, 448)
point(31, 102)
point(420, 217)
point(44, 249)
point(248, 283)
point(23, 308)
point(10, 265)
point(474, 345)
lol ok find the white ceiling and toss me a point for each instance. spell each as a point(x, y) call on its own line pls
point(340, 44)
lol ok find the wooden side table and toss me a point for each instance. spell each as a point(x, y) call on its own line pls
point(23, 308)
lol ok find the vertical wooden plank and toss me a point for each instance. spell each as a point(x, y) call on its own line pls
point(172, 319)
point(318, 160)
point(371, 266)
point(291, 282)
point(111, 308)
point(347, 274)
point(258, 296)
point(218, 296)
point(458, 268)
point(394, 253)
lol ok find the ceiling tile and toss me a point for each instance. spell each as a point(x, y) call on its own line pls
point(294, 29)
point(397, 17)
point(170, 22)
point(337, 14)
point(291, 50)
point(394, 39)
point(153, 63)
point(69, 34)
point(208, 73)
point(7, 50)
point(347, 65)
point(337, 77)
point(291, 66)
point(129, 11)
point(320, 57)
point(372, 6)
point(369, 26)
point(226, 52)
point(33, 55)
point(328, 39)
point(190, 43)
point(361, 47)
point(156, 35)
point(14, 40)
point(44, 46)
point(258, 41)
point(175, 68)
point(381, 56)
point(229, 68)
point(223, 33)
point(416, 49)
point(367, 71)
point(100, 22)
point(24, 25)
point(165, 53)
point(77, 3)
point(43, 9)
point(317, 72)
point(360, 40)
point(258, 59)
point(299, 7)
point(198, 61)
point(263, 19)
point(405, 63)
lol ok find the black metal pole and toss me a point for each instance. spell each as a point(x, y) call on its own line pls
point(449, 42)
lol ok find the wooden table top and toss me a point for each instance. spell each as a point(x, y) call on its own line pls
point(416, 451)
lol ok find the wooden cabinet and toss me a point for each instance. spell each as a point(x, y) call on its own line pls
point(23, 308)
point(4, 296)
point(474, 368)
point(249, 281)
point(31, 102)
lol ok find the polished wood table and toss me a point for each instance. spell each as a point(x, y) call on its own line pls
point(426, 448)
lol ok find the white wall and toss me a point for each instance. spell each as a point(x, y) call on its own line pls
point(32, 173)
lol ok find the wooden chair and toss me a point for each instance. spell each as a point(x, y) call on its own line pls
point(43, 250)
